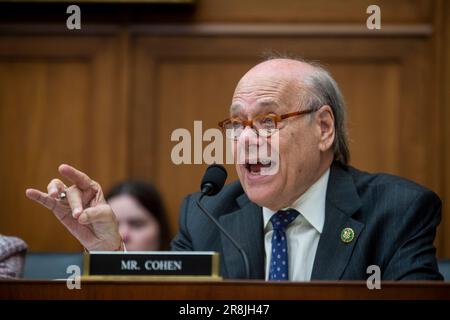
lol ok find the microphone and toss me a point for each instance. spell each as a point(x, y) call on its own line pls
point(212, 182)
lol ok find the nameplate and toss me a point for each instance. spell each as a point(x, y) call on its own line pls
point(152, 263)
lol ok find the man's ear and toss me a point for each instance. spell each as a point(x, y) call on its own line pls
point(325, 121)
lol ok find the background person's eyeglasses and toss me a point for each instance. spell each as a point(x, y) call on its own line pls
point(263, 125)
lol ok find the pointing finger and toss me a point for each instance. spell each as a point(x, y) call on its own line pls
point(41, 198)
point(75, 176)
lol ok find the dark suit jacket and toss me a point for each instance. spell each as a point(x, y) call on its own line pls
point(394, 221)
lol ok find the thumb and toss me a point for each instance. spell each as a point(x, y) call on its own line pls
point(101, 213)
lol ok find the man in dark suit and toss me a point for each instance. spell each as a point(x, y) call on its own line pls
point(314, 217)
point(394, 221)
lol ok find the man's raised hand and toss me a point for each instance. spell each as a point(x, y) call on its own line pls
point(84, 211)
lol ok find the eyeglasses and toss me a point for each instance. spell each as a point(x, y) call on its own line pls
point(263, 125)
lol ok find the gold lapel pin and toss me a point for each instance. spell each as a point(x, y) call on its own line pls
point(347, 235)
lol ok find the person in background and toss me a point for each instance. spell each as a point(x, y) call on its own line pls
point(12, 257)
point(141, 215)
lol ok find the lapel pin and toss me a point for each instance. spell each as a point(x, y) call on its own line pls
point(347, 235)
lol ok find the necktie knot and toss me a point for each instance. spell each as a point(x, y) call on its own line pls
point(282, 219)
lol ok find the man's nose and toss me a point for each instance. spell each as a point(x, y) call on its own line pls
point(249, 136)
point(248, 144)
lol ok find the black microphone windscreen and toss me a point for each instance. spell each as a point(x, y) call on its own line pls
point(215, 176)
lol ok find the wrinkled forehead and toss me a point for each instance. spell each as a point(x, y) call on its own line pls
point(259, 95)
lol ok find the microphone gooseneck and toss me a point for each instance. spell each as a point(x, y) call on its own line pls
point(212, 182)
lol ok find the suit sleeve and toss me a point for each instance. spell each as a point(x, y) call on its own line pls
point(182, 240)
point(415, 258)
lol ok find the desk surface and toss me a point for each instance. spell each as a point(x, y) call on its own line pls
point(226, 290)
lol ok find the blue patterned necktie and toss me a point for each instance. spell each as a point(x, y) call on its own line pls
point(279, 258)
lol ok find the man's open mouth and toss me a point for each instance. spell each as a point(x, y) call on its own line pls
point(254, 167)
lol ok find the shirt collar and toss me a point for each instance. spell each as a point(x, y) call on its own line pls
point(310, 204)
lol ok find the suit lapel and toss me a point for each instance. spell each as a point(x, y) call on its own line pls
point(342, 202)
point(246, 226)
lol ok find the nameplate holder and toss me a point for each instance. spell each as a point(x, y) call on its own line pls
point(151, 264)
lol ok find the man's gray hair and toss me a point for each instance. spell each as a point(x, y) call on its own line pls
point(322, 89)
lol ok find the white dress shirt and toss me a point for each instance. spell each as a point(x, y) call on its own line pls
point(303, 233)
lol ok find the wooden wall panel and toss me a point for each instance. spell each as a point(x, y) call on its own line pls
point(202, 92)
point(372, 94)
point(58, 104)
point(317, 11)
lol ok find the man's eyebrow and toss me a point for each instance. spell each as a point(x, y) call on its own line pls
point(264, 104)
point(235, 107)
point(268, 103)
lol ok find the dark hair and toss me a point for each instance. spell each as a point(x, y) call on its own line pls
point(149, 197)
